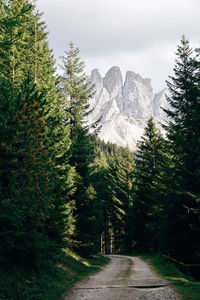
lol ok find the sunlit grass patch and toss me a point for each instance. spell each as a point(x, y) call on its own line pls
point(187, 287)
point(179, 279)
point(75, 256)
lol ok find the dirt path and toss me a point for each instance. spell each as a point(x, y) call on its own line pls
point(123, 278)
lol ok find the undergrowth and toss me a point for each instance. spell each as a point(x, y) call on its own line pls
point(48, 282)
point(187, 287)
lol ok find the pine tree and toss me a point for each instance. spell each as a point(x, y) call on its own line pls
point(24, 46)
point(127, 186)
point(77, 92)
point(35, 189)
point(183, 133)
point(24, 49)
point(99, 167)
point(117, 201)
point(147, 201)
point(22, 104)
point(113, 208)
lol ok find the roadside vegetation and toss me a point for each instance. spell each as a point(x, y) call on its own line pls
point(187, 287)
point(49, 281)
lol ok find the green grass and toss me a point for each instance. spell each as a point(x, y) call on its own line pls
point(187, 287)
point(49, 282)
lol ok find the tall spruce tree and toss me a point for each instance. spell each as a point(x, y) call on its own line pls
point(147, 202)
point(24, 49)
point(113, 207)
point(127, 187)
point(183, 131)
point(24, 46)
point(99, 167)
point(33, 222)
point(77, 92)
point(117, 201)
point(25, 114)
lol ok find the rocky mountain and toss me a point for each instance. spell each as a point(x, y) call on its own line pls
point(125, 106)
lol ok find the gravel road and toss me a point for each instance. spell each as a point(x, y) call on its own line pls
point(125, 277)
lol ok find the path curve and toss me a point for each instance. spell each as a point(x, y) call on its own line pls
point(125, 277)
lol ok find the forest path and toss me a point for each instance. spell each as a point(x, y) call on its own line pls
point(125, 277)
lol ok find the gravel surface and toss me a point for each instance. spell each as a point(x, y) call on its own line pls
point(125, 277)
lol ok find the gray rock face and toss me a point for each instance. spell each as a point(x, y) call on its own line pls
point(96, 78)
point(137, 95)
point(113, 82)
point(125, 107)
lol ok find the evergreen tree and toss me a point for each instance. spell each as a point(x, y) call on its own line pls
point(34, 137)
point(24, 47)
point(117, 202)
point(147, 199)
point(33, 222)
point(113, 208)
point(77, 92)
point(127, 186)
point(183, 130)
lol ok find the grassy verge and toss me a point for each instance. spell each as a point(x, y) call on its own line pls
point(49, 283)
point(187, 287)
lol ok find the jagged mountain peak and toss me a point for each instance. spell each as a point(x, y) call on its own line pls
point(96, 79)
point(95, 72)
point(132, 76)
point(113, 81)
point(125, 107)
point(114, 71)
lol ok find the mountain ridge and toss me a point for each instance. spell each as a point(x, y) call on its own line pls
point(125, 106)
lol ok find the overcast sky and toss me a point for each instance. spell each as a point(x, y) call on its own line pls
point(137, 35)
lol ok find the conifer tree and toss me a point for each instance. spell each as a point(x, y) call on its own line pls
point(28, 182)
point(77, 92)
point(25, 46)
point(117, 201)
point(127, 187)
point(24, 49)
point(99, 167)
point(42, 144)
point(113, 208)
point(146, 208)
point(183, 133)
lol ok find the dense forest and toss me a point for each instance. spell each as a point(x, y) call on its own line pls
point(60, 186)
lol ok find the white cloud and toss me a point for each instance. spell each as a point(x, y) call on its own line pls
point(145, 62)
point(135, 34)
